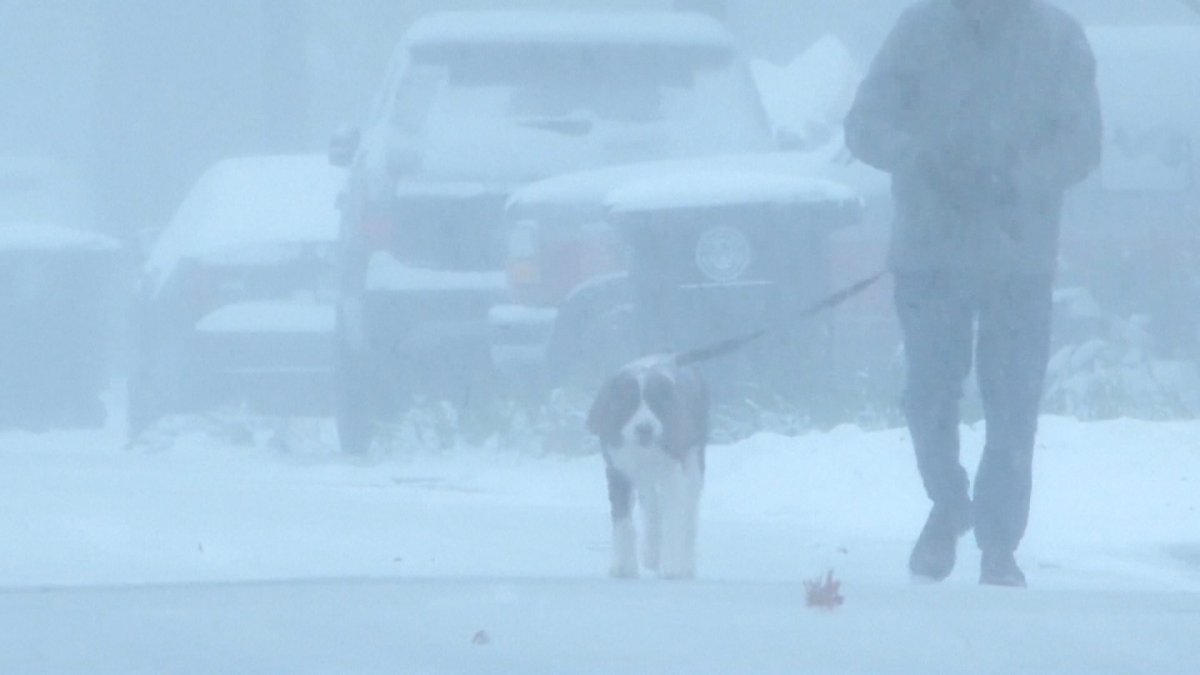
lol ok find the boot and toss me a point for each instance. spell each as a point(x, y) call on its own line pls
point(999, 568)
point(934, 553)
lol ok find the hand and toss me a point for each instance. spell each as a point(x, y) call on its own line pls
point(968, 183)
point(1031, 177)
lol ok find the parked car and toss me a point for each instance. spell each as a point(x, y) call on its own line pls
point(237, 294)
point(58, 285)
point(667, 256)
point(474, 106)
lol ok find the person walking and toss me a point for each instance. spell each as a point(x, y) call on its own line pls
point(984, 112)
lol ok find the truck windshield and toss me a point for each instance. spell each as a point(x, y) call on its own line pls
point(516, 112)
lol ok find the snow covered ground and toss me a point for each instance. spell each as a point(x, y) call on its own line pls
point(267, 552)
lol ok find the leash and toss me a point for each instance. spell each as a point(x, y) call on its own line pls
point(730, 345)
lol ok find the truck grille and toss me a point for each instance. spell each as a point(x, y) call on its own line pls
point(449, 229)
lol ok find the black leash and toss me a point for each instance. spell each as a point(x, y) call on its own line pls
point(728, 346)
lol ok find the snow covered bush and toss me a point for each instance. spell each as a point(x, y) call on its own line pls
point(1108, 367)
point(552, 427)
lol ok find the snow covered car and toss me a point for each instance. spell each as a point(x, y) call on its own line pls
point(237, 294)
point(58, 288)
point(474, 106)
point(610, 264)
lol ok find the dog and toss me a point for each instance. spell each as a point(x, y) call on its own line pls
point(652, 419)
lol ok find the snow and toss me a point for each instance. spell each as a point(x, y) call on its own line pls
point(200, 554)
point(385, 273)
point(248, 202)
point(658, 84)
point(704, 189)
point(516, 125)
point(808, 97)
point(671, 29)
point(789, 171)
point(522, 315)
point(269, 317)
point(1146, 76)
point(45, 237)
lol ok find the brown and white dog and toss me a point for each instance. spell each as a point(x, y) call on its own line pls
point(652, 421)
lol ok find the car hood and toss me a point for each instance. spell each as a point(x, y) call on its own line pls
point(46, 237)
point(759, 179)
point(251, 210)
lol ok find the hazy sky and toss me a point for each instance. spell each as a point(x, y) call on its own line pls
point(137, 96)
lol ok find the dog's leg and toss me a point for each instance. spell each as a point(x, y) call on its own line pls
point(624, 542)
point(652, 526)
point(693, 487)
point(674, 495)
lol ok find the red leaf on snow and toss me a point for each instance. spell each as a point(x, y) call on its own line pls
point(823, 593)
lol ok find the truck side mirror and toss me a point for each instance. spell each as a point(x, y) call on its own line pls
point(343, 145)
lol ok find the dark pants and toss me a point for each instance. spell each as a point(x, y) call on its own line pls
point(1007, 321)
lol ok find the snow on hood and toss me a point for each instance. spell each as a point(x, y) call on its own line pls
point(699, 189)
point(809, 97)
point(240, 204)
point(595, 187)
point(385, 273)
point(44, 237)
point(270, 317)
point(675, 29)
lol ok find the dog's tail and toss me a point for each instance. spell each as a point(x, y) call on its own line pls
point(728, 346)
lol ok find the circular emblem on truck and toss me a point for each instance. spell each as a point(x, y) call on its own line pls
point(723, 254)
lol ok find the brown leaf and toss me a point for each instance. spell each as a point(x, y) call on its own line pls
point(823, 593)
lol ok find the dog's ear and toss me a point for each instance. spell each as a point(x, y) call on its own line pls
point(614, 404)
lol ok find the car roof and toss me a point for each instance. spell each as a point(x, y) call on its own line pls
point(244, 202)
point(264, 199)
point(629, 28)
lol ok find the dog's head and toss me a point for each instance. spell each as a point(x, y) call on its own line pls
point(651, 404)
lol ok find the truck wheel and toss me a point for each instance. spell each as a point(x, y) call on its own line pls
point(355, 407)
point(155, 387)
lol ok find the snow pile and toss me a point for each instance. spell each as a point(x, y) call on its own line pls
point(757, 177)
point(234, 546)
point(385, 273)
point(1111, 369)
point(1103, 378)
point(227, 497)
point(45, 237)
point(270, 317)
point(707, 189)
point(807, 99)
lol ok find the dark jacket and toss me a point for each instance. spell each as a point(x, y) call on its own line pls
point(983, 127)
